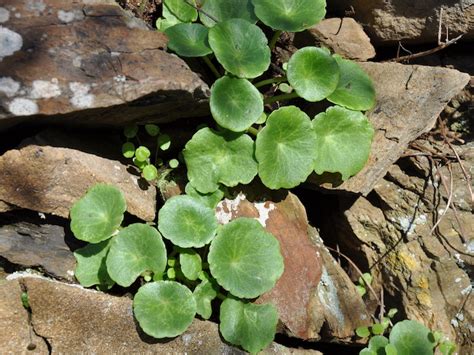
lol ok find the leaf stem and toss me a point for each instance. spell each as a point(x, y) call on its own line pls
point(221, 296)
point(270, 81)
point(253, 131)
point(211, 66)
point(274, 39)
point(283, 97)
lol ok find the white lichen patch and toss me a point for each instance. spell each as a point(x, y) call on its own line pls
point(70, 16)
point(4, 15)
point(43, 89)
point(81, 98)
point(10, 42)
point(226, 208)
point(9, 87)
point(23, 107)
point(35, 5)
point(327, 293)
point(120, 78)
point(408, 224)
point(264, 209)
point(77, 61)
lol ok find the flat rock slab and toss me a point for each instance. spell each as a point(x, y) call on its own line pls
point(76, 320)
point(89, 62)
point(409, 100)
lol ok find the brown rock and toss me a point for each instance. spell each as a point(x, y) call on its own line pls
point(409, 100)
point(89, 62)
point(345, 37)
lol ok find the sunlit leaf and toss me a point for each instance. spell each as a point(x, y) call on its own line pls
point(225, 10)
point(191, 264)
point(181, 10)
point(204, 293)
point(410, 337)
point(91, 269)
point(189, 40)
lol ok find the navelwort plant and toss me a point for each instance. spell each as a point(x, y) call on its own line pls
point(190, 261)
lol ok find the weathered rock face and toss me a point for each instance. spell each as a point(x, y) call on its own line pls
point(49, 179)
point(410, 21)
point(75, 320)
point(89, 62)
point(409, 100)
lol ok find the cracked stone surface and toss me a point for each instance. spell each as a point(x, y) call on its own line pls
point(85, 62)
point(409, 100)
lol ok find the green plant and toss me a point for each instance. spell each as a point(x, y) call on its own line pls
point(364, 281)
point(190, 261)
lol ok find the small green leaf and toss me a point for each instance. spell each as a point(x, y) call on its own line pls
point(390, 350)
point(162, 24)
point(391, 313)
point(189, 40)
point(98, 214)
point(378, 329)
point(171, 273)
point(91, 268)
point(225, 10)
point(290, 15)
point(249, 325)
point(139, 164)
point(367, 277)
point(363, 332)
point(173, 163)
point(25, 300)
point(130, 131)
point(285, 148)
point(150, 172)
point(164, 141)
point(355, 89)
point(262, 119)
point(235, 103)
point(245, 259)
point(204, 293)
point(181, 10)
point(152, 129)
point(128, 150)
point(240, 47)
point(410, 337)
point(377, 344)
point(164, 309)
point(361, 289)
point(343, 140)
point(284, 87)
point(191, 264)
point(385, 322)
point(211, 200)
point(313, 73)
point(447, 347)
point(142, 153)
point(136, 249)
point(187, 222)
point(219, 157)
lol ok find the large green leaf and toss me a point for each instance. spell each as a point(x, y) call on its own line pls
point(204, 293)
point(410, 337)
point(355, 89)
point(91, 269)
point(211, 199)
point(245, 259)
point(235, 103)
point(290, 15)
point(313, 73)
point(191, 263)
point(181, 10)
point(343, 140)
point(225, 10)
point(98, 214)
point(285, 148)
point(189, 40)
point(164, 309)
point(252, 326)
point(240, 47)
point(136, 249)
point(219, 157)
point(187, 222)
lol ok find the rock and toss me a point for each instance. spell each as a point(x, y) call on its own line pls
point(16, 336)
point(409, 100)
point(416, 22)
point(89, 62)
point(76, 320)
point(343, 36)
point(49, 179)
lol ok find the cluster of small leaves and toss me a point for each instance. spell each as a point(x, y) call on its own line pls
point(236, 262)
point(364, 281)
point(141, 155)
point(289, 146)
point(407, 337)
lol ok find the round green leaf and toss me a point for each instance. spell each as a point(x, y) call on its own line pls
point(173, 163)
point(343, 140)
point(130, 131)
point(410, 337)
point(362, 332)
point(313, 73)
point(187, 222)
point(240, 47)
point(191, 264)
point(235, 103)
point(152, 129)
point(164, 141)
point(378, 329)
point(142, 153)
point(150, 172)
point(97, 215)
point(91, 269)
point(204, 293)
point(355, 90)
point(211, 200)
point(188, 40)
point(377, 344)
point(219, 157)
point(225, 10)
point(245, 259)
point(164, 309)
point(136, 249)
point(285, 148)
point(290, 15)
point(252, 326)
point(128, 150)
point(391, 350)
point(181, 10)
point(140, 164)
